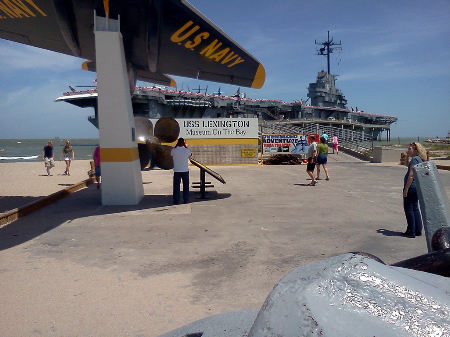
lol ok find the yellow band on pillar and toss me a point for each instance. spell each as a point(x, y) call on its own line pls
point(119, 154)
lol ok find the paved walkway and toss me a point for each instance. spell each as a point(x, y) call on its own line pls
point(77, 268)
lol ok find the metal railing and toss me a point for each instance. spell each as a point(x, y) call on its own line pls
point(356, 141)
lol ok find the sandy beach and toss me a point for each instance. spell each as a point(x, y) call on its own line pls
point(77, 268)
point(24, 182)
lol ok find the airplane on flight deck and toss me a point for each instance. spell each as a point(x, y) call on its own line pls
point(160, 37)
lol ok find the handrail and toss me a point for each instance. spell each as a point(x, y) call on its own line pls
point(354, 140)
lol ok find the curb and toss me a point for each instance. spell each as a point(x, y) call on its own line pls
point(443, 167)
point(16, 213)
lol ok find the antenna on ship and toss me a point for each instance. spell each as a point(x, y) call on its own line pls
point(327, 49)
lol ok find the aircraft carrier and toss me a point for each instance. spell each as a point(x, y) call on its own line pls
point(327, 107)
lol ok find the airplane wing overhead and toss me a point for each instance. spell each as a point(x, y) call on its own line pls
point(160, 37)
point(146, 76)
point(187, 35)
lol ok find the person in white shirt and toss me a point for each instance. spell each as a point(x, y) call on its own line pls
point(180, 154)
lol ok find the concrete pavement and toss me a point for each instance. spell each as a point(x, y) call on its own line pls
point(77, 268)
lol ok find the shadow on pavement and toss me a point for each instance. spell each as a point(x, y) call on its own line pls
point(387, 232)
point(11, 202)
point(84, 203)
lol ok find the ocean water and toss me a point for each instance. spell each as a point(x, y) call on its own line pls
point(401, 141)
point(26, 150)
point(29, 150)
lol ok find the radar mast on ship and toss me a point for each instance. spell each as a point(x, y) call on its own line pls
point(327, 49)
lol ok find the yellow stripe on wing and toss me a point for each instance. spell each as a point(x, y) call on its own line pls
point(106, 6)
point(260, 77)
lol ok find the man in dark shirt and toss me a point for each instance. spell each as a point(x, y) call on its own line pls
point(312, 154)
point(48, 156)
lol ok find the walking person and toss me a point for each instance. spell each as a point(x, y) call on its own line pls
point(322, 158)
point(417, 154)
point(312, 153)
point(48, 156)
point(335, 144)
point(180, 154)
point(68, 155)
point(96, 157)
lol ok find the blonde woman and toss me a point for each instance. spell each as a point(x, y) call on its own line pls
point(417, 154)
point(68, 155)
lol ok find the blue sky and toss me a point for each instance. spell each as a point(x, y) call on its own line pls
point(395, 60)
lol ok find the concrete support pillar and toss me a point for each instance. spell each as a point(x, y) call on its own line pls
point(121, 172)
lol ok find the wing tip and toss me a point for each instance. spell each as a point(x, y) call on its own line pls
point(89, 66)
point(260, 77)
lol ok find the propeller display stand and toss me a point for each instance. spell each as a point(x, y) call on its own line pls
point(203, 183)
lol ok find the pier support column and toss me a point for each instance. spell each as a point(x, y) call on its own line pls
point(121, 171)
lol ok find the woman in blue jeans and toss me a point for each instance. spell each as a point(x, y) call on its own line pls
point(417, 154)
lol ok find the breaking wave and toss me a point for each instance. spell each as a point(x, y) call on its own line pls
point(16, 158)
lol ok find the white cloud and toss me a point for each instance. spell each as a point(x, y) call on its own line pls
point(393, 70)
point(12, 98)
point(378, 50)
point(15, 56)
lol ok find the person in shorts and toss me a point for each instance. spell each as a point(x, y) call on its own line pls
point(322, 149)
point(312, 152)
point(68, 155)
point(48, 156)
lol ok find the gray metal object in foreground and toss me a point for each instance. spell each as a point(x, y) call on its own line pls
point(433, 200)
point(347, 295)
point(436, 262)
